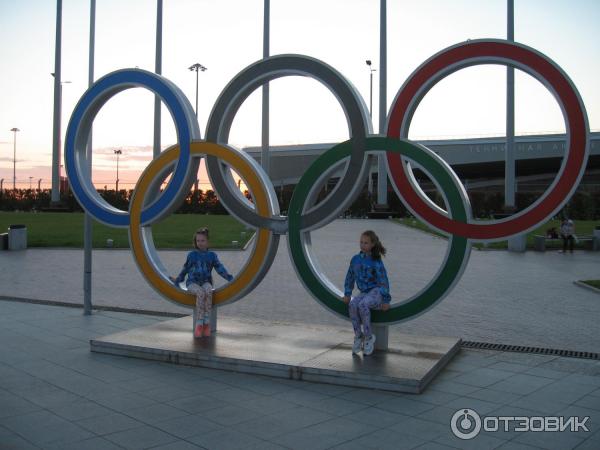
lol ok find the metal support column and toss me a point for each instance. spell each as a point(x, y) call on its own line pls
point(515, 243)
point(158, 70)
point(382, 331)
point(87, 219)
point(381, 166)
point(55, 195)
point(264, 155)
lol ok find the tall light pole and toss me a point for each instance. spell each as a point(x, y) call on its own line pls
point(158, 70)
point(87, 221)
point(55, 197)
point(60, 88)
point(265, 157)
point(371, 70)
point(30, 178)
point(1, 184)
point(117, 152)
point(40, 184)
point(196, 67)
point(14, 130)
point(509, 165)
point(60, 165)
point(381, 164)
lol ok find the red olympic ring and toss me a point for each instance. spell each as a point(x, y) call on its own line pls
point(492, 51)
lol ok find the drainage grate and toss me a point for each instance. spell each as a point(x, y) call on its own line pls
point(525, 349)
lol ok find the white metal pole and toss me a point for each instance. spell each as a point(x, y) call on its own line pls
point(196, 93)
point(382, 172)
point(87, 219)
point(382, 331)
point(118, 152)
point(59, 132)
point(158, 70)
point(370, 92)
point(515, 243)
point(264, 156)
point(197, 67)
point(14, 130)
point(55, 196)
point(509, 184)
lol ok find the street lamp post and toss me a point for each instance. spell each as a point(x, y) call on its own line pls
point(40, 184)
point(117, 152)
point(14, 130)
point(60, 95)
point(196, 67)
point(55, 196)
point(60, 165)
point(30, 178)
point(1, 184)
point(371, 70)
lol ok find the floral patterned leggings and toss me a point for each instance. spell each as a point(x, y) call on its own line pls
point(360, 311)
point(203, 301)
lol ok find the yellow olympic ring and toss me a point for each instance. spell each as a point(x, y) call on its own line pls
point(137, 234)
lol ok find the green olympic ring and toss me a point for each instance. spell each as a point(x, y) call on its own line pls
point(457, 254)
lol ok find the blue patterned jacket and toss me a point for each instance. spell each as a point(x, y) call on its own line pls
point(198, 268)
point(368, 273)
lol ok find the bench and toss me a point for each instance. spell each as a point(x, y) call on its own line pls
point(539, 242)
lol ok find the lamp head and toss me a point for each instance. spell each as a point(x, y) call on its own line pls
point(196, 67)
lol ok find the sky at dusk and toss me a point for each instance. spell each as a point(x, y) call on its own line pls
point(226, 36)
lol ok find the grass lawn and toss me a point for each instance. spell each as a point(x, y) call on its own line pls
point(582, 228)
point(593, 283)
point(176, 231)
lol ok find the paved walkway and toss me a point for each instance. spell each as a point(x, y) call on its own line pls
point(56, 394)
point(521, 299)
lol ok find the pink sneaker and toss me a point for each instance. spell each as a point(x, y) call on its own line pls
point(206, 329)
point(198, 330)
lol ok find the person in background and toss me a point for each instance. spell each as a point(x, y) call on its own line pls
point(551, 233)
point(567, 233)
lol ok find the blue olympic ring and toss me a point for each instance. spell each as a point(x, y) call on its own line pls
point(80, 126)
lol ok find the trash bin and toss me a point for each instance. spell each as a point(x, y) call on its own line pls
point(517, 243)
point(4, 241)
point(17, 237)
point(539, 243)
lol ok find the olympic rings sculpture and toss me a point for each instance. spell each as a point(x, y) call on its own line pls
point(148, 204)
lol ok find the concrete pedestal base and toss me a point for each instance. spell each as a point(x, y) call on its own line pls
point(308, 353)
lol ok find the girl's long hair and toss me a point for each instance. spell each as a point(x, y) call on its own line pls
point(378, 249)
point(203, 231)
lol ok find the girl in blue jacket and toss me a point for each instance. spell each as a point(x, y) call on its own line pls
point(198, 268)
point(368, 272)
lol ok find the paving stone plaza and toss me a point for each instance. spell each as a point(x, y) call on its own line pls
point(480, 348)
point(55, 393)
